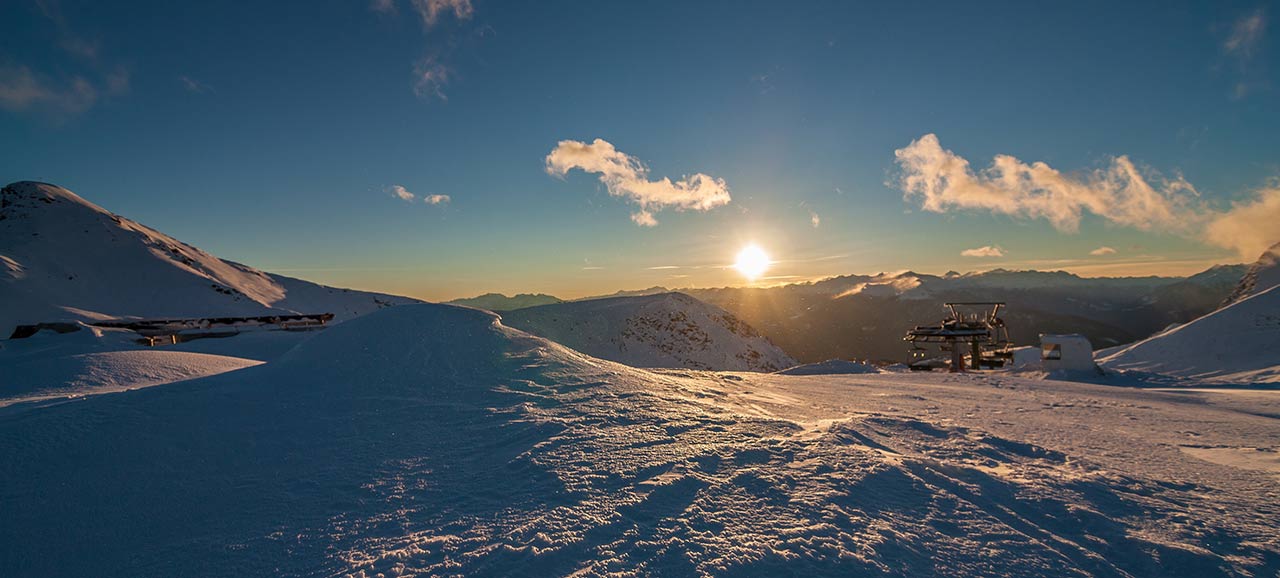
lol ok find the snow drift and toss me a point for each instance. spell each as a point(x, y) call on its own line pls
point(62, 257)
point(664, 330)
point(831, 367)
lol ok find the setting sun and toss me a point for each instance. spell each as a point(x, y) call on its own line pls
point(752, 262)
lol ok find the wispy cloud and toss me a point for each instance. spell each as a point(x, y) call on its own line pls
point(663, 267)
point(193, 86)
point(983, 252)
point(400, 192)
point(941, 181)
point(1246, 34)
point(1100, 251)
point(431, 10)
point(625, 176)
point(430, 73)
point(814, 219)
point(21, 90)
point(436, 199)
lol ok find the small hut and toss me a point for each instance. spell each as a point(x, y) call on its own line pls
point(1071, 352)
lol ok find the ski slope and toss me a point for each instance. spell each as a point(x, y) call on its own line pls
point(433, 440)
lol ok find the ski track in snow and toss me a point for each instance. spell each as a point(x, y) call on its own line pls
point(431, 440)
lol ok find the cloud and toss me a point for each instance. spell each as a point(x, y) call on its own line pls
point(194, 86)
point(430, 10)
point(814, 219)
point(625, 176)
point(942, 181)
point(21, 90)
point(436, 199)
point(430, 77)
point(1250, 227)
point(1100, 251)
point(383, 6)
point(1246, 34)
point(983, 252)
point(400, 193)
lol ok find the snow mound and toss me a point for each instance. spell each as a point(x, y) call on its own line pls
point(1262, 275)
point(830, 367)
point(1239, 343)
point(664, 330)
point(62, 257)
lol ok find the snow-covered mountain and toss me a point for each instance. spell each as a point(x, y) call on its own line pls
point(1238, 343)
point(1262, 274)
point(664, 330)
point(62, 257)
point(500, 302)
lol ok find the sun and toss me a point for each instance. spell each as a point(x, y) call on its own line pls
point(752, 262)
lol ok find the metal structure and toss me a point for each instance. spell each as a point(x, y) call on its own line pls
point(982, 333)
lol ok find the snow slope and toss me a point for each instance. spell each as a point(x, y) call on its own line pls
point(1239, 343)
point(94, 361)
point(1262, 274)
point(432, 440)
point(664, 330)
point(62, 257)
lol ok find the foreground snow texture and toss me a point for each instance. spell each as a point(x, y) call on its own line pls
point(430, 439)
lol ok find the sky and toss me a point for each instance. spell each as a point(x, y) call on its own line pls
point(446, 148)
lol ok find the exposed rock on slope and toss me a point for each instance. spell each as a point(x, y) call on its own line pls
point(665, 330)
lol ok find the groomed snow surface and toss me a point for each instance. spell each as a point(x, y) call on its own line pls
point(433, 440)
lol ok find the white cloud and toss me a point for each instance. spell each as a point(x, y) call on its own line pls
point(1250, 227)
point(1246, 33)
point(400, 193)
point(436, 199)
point(983, 252)
point(942, 181)
point(1100, 251)
point(814, 219)
point(625, 176)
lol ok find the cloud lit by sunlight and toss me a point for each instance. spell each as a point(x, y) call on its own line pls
point(625, 176)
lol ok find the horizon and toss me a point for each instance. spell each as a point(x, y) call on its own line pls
point(429, 150)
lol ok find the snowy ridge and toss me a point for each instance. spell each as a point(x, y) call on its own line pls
point(1262, 274)
point(1239, 343)
point(432, 440)
point(62, 257)
point(663, 330)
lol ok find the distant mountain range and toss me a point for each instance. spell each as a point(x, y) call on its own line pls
point(865, 316)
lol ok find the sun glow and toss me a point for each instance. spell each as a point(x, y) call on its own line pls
point(752, 262)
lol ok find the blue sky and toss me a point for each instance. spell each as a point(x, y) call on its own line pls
point(273, 134)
